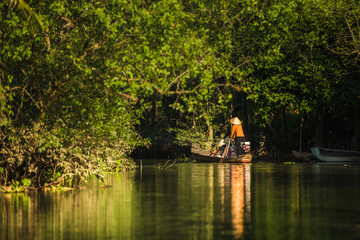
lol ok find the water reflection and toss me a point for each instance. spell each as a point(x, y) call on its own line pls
point(240, 197)
point(91, 213)
point(195, 201)
point(200, 202)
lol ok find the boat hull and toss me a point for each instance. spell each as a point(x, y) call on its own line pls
point(304, 156)
point(201, 155)
point(334, 155)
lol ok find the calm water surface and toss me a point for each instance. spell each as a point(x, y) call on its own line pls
point(196, 201)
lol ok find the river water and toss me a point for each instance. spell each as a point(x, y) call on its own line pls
point(196, 201)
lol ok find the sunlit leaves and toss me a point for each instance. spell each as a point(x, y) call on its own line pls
point(291, 65)
point(195, 57)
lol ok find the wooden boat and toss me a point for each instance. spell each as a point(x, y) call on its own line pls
point(304, 156)
point(334, 155)
point(201, 155)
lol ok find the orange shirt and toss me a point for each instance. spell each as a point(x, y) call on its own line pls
point(237, 131)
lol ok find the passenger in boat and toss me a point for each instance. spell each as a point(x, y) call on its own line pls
point(221, 145)
point(237, 134)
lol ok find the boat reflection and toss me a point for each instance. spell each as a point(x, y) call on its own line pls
point(240, 197)
point(211, 201)
point(222, 193)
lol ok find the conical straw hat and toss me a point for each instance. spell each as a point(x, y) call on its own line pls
point(235, 121)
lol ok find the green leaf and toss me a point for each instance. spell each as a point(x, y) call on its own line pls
point(26, 182)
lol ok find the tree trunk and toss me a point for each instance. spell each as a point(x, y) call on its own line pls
point(318, 141)
point(301, 133)
point(355, 138)
point(210, 134)
point(285, 130)
point(245, 117)
point(210, 131)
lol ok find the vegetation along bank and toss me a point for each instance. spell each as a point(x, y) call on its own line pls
point(86, 84)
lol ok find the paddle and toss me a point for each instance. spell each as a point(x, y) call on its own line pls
point(225, 151)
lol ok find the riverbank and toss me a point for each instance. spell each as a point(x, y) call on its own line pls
point(37, 157)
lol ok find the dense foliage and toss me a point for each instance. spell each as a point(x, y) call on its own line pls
point(106, 76)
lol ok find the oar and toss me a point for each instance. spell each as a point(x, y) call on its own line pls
point(225, 151)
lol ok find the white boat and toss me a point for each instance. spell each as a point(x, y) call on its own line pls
point(334, 155)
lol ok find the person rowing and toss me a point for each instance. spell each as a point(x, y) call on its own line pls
point(237, 134)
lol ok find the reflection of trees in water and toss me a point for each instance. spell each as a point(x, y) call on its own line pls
point(198, 201)
point(219, 195)
point(90, 213)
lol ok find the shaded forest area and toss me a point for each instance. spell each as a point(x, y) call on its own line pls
point(84, 83)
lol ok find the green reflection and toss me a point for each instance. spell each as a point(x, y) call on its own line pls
point(305, 202)
point(195, 201)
